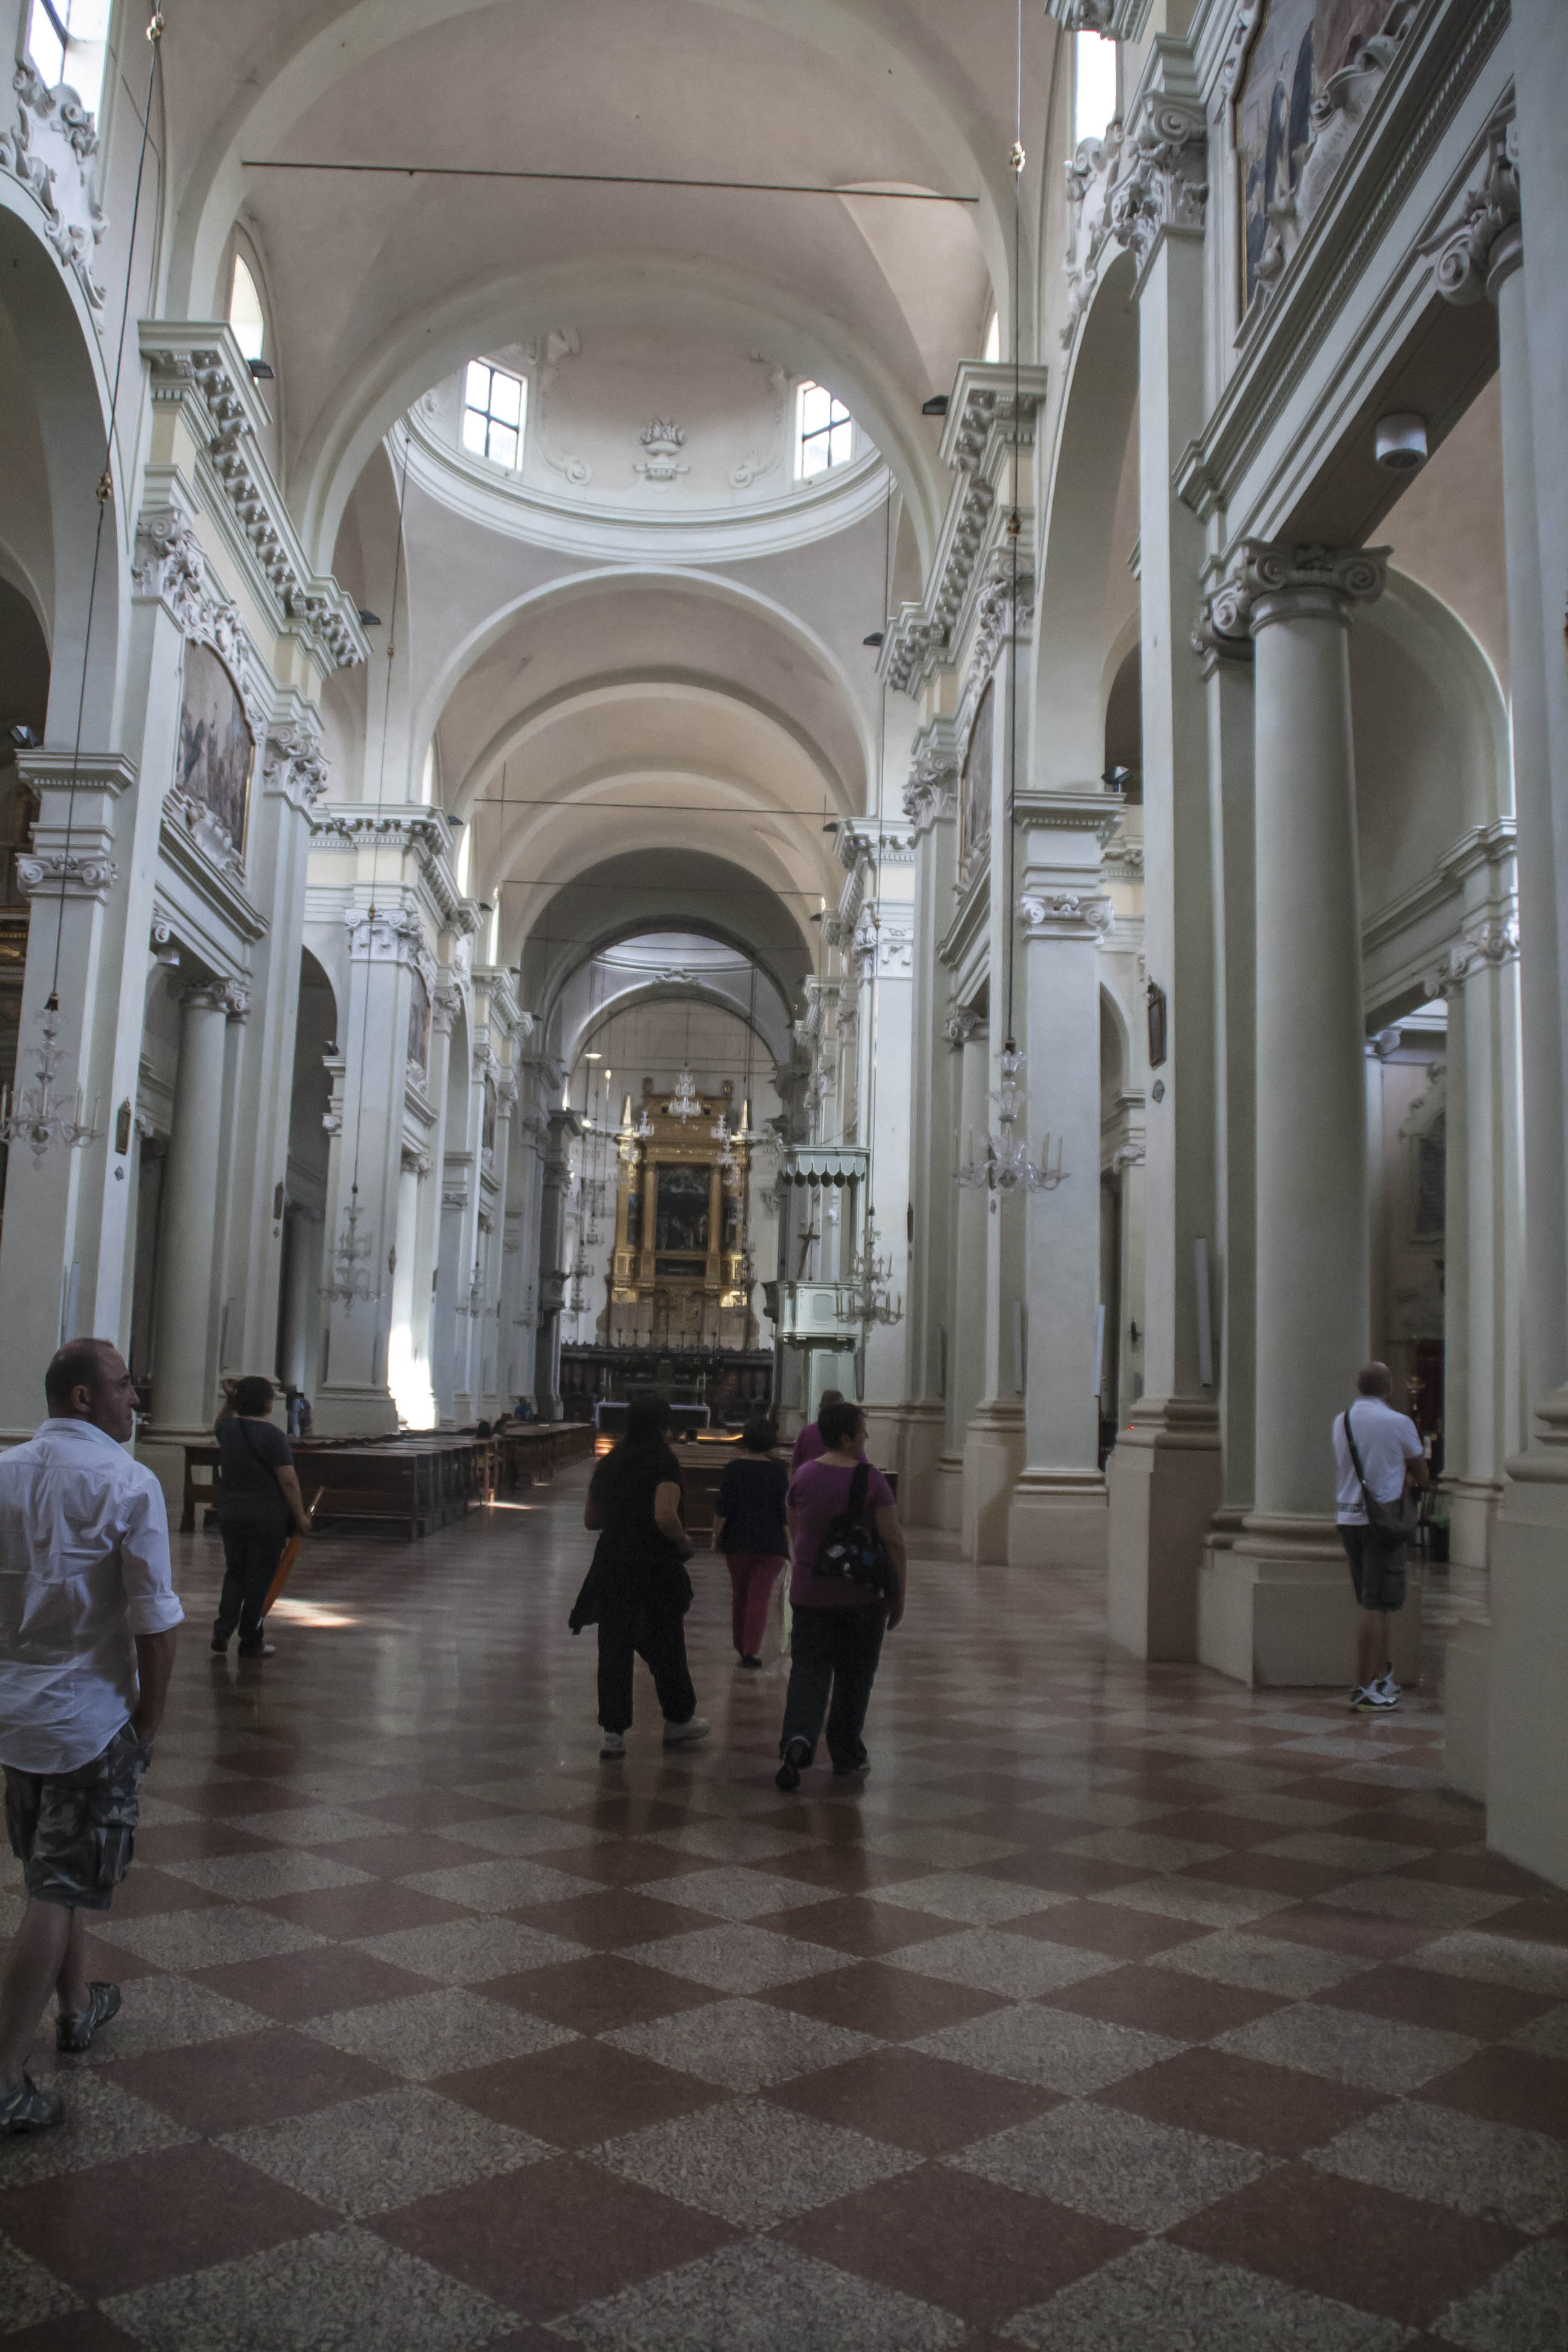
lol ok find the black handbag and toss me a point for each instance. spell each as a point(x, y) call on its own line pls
point(851, 1549)
point(1395, 1522)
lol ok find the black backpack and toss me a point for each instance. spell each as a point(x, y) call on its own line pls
point(851, 1549)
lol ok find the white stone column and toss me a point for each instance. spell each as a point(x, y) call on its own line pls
point(184, 1391)
point(1164, 1474)
point(402, 1367)
point(1277, 1608)
point(1508, 246)
point(298, 1352)
point(887, 952)
point(966, 1327)
point(930, 804)
point(1058, 1514)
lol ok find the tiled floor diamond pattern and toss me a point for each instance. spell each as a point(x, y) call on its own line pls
point(1119, 2008)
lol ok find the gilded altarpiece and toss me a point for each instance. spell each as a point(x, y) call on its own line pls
point(681, 1279)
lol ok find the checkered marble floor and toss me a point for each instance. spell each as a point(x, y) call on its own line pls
point(1119, 2009)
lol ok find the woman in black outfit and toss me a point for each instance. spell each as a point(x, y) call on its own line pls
point(258, 1499)
point(639, 1582)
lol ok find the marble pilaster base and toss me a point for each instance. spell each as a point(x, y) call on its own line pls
point(348, 1410)
point(1472, 1514)
point(908, 1438)
point(1276, 1609)
point(1527, 1753)
point(1165, 1480)
point(1058, 1518)
point(947, 1492)
point(994, 1447)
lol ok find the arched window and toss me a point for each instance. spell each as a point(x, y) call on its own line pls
point(1094, 99)
point(991, 351)
point(825, 432)
point(245, 312)
point(65, 43)
point(493, 404)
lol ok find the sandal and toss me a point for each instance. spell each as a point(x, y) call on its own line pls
point(74, 2028)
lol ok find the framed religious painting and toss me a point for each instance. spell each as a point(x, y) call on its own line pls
point(217, 750)
point(1297, 46)
point(974, 781)
point(419, 1024)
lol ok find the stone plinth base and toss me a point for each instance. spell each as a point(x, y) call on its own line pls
point(1163, 1478)
point(1466, 1672)
point(1472, 1514)
point(947, 1491)
point(1527, 1750)
point(994, 1447)
point(1058, 1518)
point(909, 1438)
point(355, 1412)
point(1276, 1608)
point(162, 1450)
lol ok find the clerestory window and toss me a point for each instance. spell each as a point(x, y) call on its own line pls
point(825, 432)
point(1094, 94)
point(493, 404)
point(245, 312)
point(65, 43)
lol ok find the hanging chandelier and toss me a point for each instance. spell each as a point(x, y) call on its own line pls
point(685, 1103)
point(869, 1283)
point(350, 1261)
point(43, 1114)
point(1004, 1165)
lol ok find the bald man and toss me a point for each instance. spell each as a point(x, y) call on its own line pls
point(88, 1614)
point(1380, 1456)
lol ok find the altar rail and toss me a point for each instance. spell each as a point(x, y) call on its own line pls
point(410, 1483)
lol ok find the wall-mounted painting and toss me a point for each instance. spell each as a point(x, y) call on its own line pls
point(419, 1023)
point(681, 1213)
point(974, 785)
point(217, 747)
point(1299, 43)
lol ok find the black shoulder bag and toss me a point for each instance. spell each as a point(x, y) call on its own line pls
point(1395, 1522)
point(851, 1548)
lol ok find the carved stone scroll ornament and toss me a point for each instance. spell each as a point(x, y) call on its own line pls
point(1270, 581)
point(388, 934)
point(445, 1004)
point(293, 767)
point(56, 873)
point(1065, 915)
point(1484, 946)
point(229, 997)
point(932, 791)
point(959, 1026)
point(1488, 244)
point(1091, 174)
point(1163, 179)
point(49, 147)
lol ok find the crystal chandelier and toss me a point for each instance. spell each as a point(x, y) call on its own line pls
point(351, 1260)
point(870, 1281)
point(685, 1103)
point(1005, 1166)
point(40, 1116)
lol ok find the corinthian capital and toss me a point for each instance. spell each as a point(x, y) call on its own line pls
point(1164, 173)
point(1271, 580)
point(1485, 245)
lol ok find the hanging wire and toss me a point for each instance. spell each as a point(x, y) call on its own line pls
point(1015, 519)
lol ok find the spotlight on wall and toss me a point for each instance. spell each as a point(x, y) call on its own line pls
point(367, 619)
point(259, 372)
point(874, 638)
point(935, 407)
point(1400, 442)
point(832, 826)
point(1115, 779)
point(22, 737)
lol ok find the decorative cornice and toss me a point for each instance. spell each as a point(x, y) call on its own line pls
point(1065, 915)
point(200, 366)
point(1487, 246)
point(48, 147)
point(1122, 861)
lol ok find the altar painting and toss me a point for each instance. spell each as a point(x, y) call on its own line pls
point(217, 747)
point(1297, 46)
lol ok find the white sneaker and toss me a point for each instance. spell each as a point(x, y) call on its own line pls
point(612, 1747)
point(687, 1734)
point(1386, 1685)
point(1374, 1700)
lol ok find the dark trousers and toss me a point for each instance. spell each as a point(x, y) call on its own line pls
point(654, 1632)
point(250, 1557)
point(833, 1650)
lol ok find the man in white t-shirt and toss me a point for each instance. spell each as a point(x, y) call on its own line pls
point(1389, 1456)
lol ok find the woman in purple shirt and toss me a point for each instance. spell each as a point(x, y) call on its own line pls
point(838, 1626)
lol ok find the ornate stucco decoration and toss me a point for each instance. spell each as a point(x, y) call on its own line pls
point(1065, 915)
point(48, 146)
point(1119, 20)
point(199, 366)
point(1223, 627)
point(421, 833)
point(1477, 254)
point(229, 997)
point(931, 792)
point(545, 353)
point(293, 768)
point(174, 572)
point(1130, 1154)
point(758, 462)
point(664, 440)
point(390, 935)
point(1161, 182)
point(1001, 612)
point(1091, 173)
point(1483, 945)
point(446, 1002)
point(959, 1026)
point(1122, 861)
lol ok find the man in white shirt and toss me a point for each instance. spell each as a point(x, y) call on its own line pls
point(1390, 1457)
point(88, 1614)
